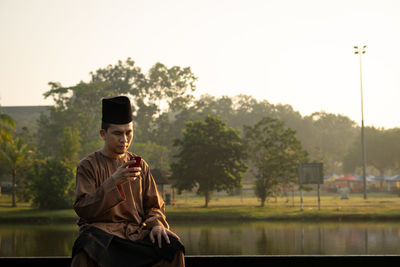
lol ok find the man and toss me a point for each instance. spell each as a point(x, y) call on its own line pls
point(121, 214)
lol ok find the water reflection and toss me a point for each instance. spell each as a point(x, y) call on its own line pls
point(227, 239)
point(292, 239)
point(37, 240)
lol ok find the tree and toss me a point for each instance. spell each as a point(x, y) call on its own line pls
point(79, 106)
point(51, 181)
point(7, 127)
point(161, 86)
point(275, 153)
point(158, 157)
point(210, 158)
point(331, 137)
point(52, 184)
point(382, 150)
point(12, 153)
point(70, 146)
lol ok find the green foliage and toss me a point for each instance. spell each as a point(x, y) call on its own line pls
point(330, 138)
point(158, 157)
point(382, 150)
point(52, 184)
point(163, 103)
point(7, 128)
point(325, 136)
point(275, 153)
point(210, 158)
point(79, 109)
point(70, 146)
point(13, 152)
point(79, 106)
point(170, 87)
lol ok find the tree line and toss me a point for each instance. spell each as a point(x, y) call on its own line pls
point(207, 143)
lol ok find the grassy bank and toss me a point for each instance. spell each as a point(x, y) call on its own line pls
point(241, 208)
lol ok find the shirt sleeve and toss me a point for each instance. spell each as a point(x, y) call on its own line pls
point(154, 206)
point(92, 201)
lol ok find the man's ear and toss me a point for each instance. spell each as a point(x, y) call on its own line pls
point(103, 134)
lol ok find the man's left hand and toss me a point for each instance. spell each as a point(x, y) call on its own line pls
point(159, 232)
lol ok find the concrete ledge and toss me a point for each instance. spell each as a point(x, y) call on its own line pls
point(221, 260)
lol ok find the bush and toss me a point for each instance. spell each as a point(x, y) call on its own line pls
point(52, 184)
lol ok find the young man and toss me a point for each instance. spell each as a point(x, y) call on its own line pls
point(121, 214)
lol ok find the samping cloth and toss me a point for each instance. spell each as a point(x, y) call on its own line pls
point(111, 251)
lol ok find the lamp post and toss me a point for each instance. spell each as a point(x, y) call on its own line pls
point(359, 51)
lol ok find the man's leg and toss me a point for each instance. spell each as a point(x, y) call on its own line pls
point(82, 260)
point(177, 261)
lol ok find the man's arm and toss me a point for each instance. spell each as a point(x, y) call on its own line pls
point(153, 204)
point(154, 208)
point(92, 201)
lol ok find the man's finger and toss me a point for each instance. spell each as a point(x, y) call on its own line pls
point(173, 234)
point(166, 237)
point(152, 237)
point(127, 163)
point(159, 239)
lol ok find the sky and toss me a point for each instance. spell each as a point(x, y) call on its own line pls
point(296, 52)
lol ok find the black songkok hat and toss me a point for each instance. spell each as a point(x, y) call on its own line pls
point(117, 110)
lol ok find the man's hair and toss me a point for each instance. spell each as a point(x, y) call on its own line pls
point(105, 125)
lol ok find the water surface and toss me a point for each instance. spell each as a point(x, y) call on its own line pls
point(261, 238)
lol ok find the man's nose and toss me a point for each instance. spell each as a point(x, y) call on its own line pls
point(124, 138)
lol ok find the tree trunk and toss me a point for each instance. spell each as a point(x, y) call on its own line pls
point(14, 175)
point(207, 198)
point(263, 201)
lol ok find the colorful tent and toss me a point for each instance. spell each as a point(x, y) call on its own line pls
point(348, 178)
point(330, 178)
point(395, 178)
point(381, 177)
point(370, 178)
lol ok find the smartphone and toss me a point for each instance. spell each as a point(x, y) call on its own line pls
point(137, 164)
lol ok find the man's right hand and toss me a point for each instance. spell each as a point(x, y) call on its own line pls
point(123, 173)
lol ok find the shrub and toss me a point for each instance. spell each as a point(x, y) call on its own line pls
point(52, 184)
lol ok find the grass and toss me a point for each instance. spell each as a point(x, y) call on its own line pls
point(377, 207)
point(240, 208)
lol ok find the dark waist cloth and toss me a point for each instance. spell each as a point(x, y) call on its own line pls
point(108, 250)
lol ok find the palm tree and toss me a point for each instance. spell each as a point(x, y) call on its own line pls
point(13, 153)
point(7, 127)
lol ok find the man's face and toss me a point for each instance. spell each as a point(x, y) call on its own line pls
point(117, 138)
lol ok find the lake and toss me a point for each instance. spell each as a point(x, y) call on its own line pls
point(206, 238)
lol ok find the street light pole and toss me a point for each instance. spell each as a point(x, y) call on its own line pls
point(360, 51)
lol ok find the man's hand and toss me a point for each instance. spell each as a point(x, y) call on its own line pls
point(124, 174)
point(159, 232)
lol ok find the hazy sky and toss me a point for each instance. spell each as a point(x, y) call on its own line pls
point(297, 52)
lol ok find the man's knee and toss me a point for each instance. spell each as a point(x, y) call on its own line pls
point(81, 259)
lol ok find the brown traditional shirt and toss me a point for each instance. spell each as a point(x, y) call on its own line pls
point(128, 210)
